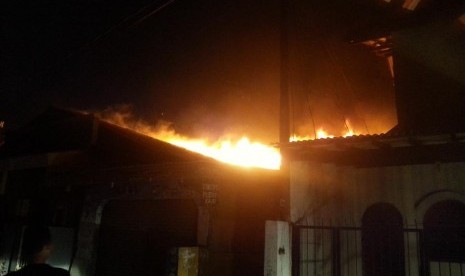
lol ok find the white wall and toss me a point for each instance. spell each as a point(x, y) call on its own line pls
point(326, 194)
point(343, 193)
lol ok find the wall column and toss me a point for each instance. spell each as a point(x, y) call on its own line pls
point(277, 249)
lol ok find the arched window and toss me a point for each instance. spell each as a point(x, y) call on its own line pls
point(382, 241)
point(444, 228)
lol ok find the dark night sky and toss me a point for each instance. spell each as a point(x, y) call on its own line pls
point(206, 66)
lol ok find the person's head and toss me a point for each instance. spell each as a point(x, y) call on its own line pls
point(37, 244)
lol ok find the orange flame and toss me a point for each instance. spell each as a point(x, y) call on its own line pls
point(240, 152)
point(322, 134)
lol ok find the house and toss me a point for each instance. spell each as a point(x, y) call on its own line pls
point(394, 203)
point(122, 203)
point(379, 205)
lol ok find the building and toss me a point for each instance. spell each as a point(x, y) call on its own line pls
point(379, 205)
point(121, 203)
point(391, 204)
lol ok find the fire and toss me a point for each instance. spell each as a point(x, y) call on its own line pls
point(321, 134)
point(241, 152)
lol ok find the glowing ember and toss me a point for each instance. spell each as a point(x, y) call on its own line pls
point(241, 152)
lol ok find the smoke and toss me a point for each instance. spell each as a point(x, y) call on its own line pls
point(228, 84)
point(335, 85)
point(238, 151)
point(123, 115)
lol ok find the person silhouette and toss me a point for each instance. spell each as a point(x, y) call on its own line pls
point(35, 251)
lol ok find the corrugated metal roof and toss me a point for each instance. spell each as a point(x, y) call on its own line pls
point(390, 139)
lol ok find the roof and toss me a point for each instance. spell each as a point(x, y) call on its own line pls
point(384, 149)
point(61, 130)
point(376, 140)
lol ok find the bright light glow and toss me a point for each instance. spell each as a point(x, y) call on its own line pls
point(322, 134)
point(240, 152)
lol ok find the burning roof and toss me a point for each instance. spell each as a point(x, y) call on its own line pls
point(381, 150)
point(61, 130)
point(116, 143)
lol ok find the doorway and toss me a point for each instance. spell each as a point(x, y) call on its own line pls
point(136, 236)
